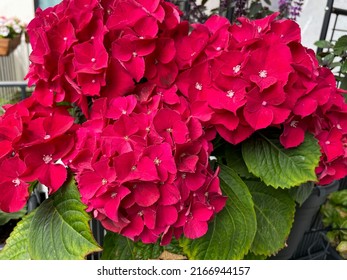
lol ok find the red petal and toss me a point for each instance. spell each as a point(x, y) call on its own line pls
point(259, 119)
point(118, 80)
point(148, 237)
point(134, 228)
point(218, 202)
point(54, 177)
point(12, 168)
point(237, 136)
point(146, 27)
point(167, 50)
point(195, 229)
point(13, 198)
point(146, 170)
point(136, 67)
point(169, 194)
point(202, 213)
point(188, 163)
point(43, 95)
point(146, 194)
point(305, 106)
point(150, 6)
point(166, 215)
point(113, 202)
point(149, 216)
point(194, 181)
point(292, 136)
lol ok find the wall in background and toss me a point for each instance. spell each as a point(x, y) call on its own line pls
point(23, 9)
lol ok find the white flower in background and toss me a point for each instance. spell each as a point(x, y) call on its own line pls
point(10, 27)
point(4, 31)
point(11, 22)
point(17, 28)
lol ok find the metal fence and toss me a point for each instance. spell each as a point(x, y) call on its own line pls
point(13, 68)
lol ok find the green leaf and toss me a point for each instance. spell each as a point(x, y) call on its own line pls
point(267, 2)
point(276, 166)
point(328, 59)
point(252, 256)
point(275, 211)
point(343, 85)
point(147, 251)
point(118, 247)
point(335, 64)
point(254, 9)
point(323, 44)
point(338, 198)
point(302, 192)
point(174, 247)
point(319, 58)
point(234, 160)
point(58, 229)
point(340, 45)
point(17, 244)
point(6, 217)
point(231, 233)
point(344, 67)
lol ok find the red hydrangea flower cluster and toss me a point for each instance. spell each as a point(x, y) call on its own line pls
point(142, 166)
point(154, 92)
point(257, 74)
point(35, 140)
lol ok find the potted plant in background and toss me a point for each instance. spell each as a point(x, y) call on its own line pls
point(333, 55)
point(11, 30)
point(334, 217)
point(195, 139)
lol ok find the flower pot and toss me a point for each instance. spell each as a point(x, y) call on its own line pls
point(26, 36)
point(343, 183)
point(8, 45)
point(305, 216)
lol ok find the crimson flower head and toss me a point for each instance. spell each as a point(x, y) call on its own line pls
point(13, 185)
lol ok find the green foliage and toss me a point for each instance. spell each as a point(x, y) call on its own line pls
point(274, 210)
point(333, 56)
point(340, 46)
point(17, 245)
point(301, 193)
point(118, 247)
point(276, 166)
point(344, 67)
point(6, 217)
point(258, 10)
point(234, 160)
point(339, 198)
point(174, 247)
point(57, 229)
point(334, 216)
point(324, 44)
point(231, 233)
